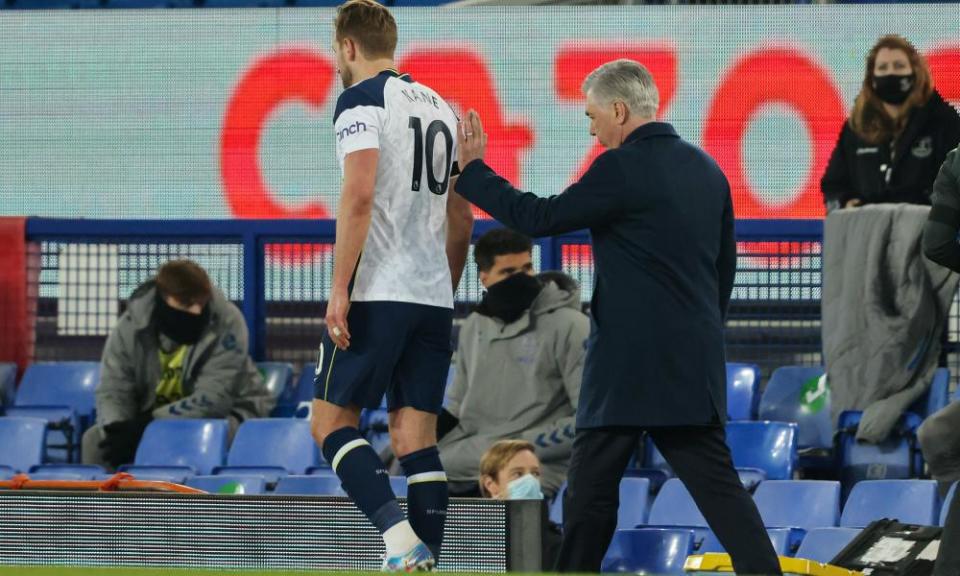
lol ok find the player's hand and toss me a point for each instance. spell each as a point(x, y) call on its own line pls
point(471, 139)
point(337, 308)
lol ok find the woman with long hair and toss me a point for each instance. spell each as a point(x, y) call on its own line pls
point(898, 133)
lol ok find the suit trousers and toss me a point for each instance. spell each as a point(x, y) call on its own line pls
point(701, 459)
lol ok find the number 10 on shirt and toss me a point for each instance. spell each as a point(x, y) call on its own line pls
point(435, 128)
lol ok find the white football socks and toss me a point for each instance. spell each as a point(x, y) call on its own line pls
point(400, 538)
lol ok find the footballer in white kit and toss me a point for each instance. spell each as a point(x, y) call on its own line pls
point(402, 241)
point(401, 310)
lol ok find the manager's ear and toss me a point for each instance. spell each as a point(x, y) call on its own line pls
point(621, 112)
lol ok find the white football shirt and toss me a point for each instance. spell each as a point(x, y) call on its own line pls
point(404, 258)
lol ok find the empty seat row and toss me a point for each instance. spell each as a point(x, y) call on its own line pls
point(664, 551)
point(802, 504)
point(760, 450)
point(801, 517)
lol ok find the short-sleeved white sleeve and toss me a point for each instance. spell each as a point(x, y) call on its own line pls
point(358, 128)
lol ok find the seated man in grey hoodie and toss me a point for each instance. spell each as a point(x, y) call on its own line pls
point(518, 366)
point(179, 351)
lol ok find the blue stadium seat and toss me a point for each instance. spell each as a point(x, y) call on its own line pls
point(63, 430)
point(71, 384)
point(310, 486)
point(785, 541)
point(23, 442)
point(66, 472)
point(295, 400)
point(751, 478)
point(767, 446)
point(323, 469)
point(555, 510)
point(6, 472)
point(660, 551)
point(936, 397)
point(896, 457)
point(175, 474)
point(674, 506)
point(634, 502)
point(278, 376)
point(908, 501)
point(946, 504)
point(270, 474)
point(271, 447)
point(228, 484)
point(451, 372)
point(786, 399)
point(374, 425)
point(8, 384)
point(655, 467)
point(399, 486)
point(199, 445)
point(823, 544)
point(743, 381)
point(799, 503)
point(63, 394)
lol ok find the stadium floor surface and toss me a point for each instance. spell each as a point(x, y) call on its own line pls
point(101, 571)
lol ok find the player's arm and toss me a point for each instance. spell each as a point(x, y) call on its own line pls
point(459, 230)
point(353, 223)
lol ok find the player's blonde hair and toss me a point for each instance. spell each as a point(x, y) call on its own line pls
point(369, 24)
point(624, 81)
point(496, 458)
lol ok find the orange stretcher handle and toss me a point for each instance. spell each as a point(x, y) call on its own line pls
point(118, 482)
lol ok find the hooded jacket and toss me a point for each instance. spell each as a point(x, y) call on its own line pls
point(219, 378)
point(519, 380)
point(891, 172)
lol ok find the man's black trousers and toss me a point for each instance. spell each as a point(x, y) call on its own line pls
point(701, 459)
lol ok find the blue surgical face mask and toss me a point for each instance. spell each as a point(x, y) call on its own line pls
point(526, 487)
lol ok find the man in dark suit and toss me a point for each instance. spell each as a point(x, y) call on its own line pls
point(661, 218)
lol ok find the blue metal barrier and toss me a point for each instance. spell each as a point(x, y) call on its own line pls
point(777, 280)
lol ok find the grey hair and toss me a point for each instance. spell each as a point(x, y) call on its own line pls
point(624, 81)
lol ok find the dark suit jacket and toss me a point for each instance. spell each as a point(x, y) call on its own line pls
point(661, 219)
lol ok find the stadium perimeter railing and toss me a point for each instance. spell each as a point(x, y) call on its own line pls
point(279, 272)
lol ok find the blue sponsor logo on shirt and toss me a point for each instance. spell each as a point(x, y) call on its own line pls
point(350, 130)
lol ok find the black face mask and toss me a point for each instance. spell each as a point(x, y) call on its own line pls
point(509, 298)
point(894, 88)
point(180, 326)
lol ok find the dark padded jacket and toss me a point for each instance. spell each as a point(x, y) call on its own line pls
point(892, 172)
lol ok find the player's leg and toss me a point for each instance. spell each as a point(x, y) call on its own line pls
point(414, 437)
point(414, 402)
point(346, 381)
point(361, 473)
